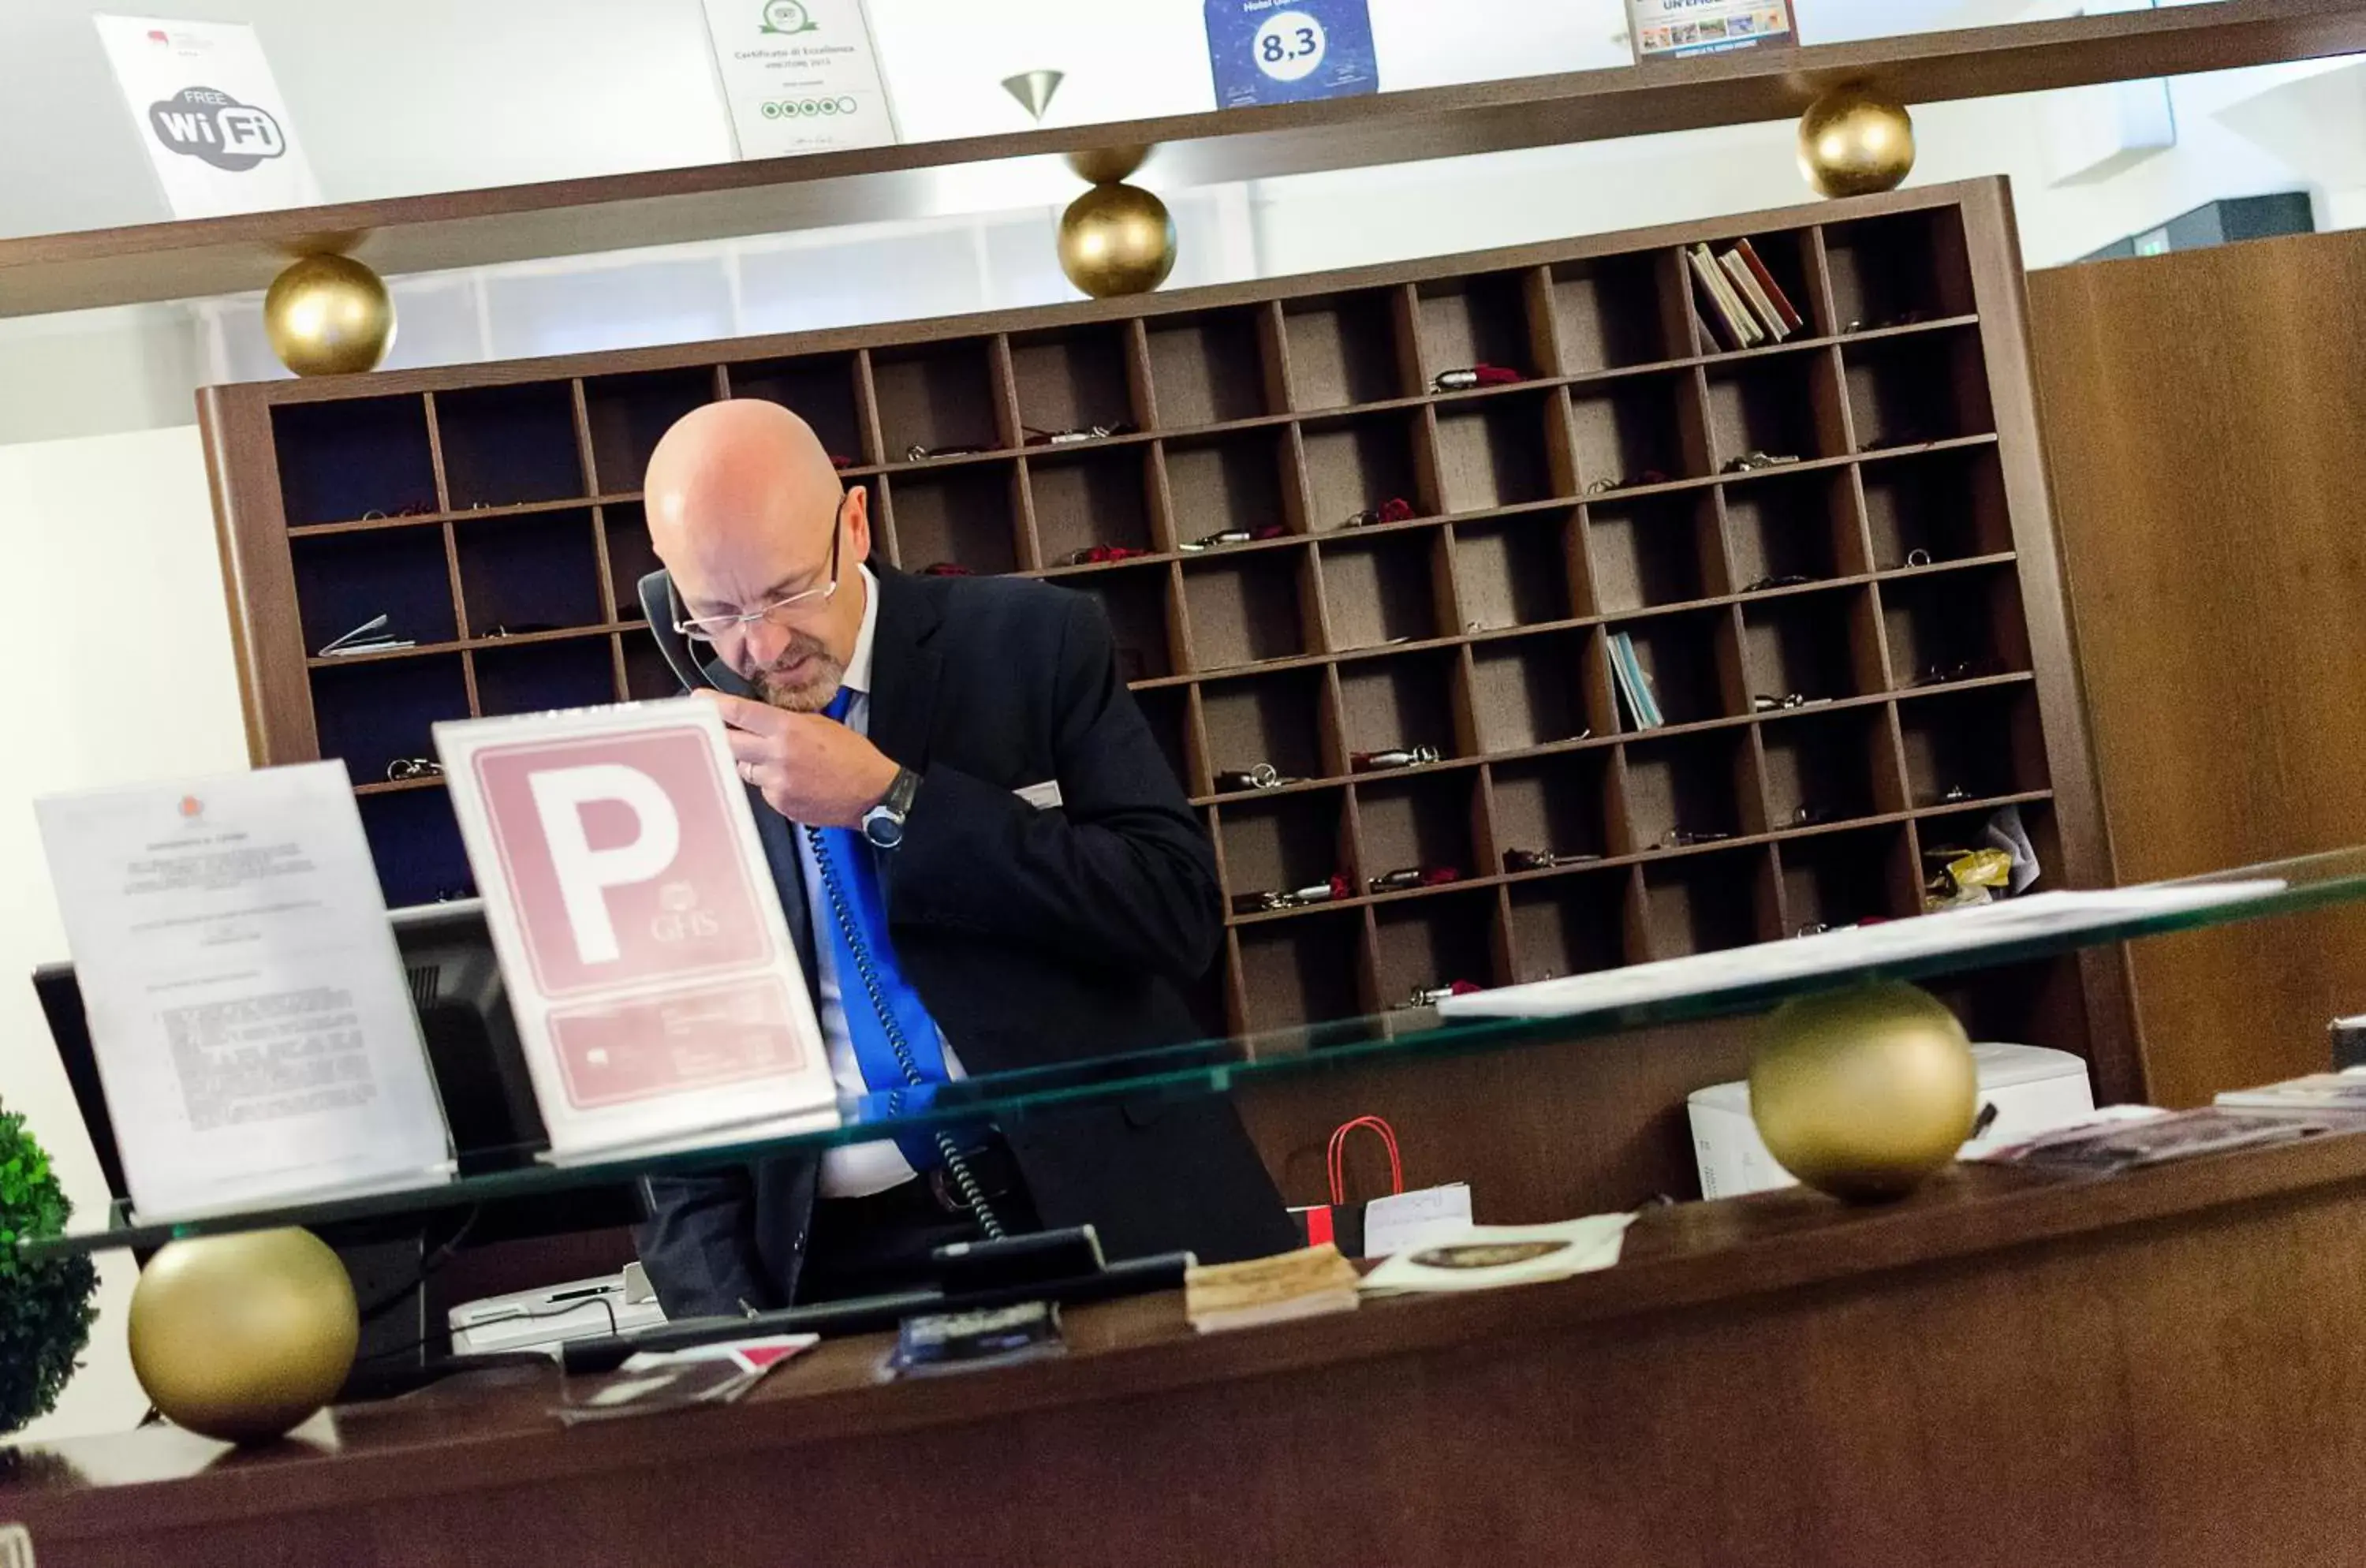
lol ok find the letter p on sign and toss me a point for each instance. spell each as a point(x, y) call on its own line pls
point(590, 843)
point(586, 876)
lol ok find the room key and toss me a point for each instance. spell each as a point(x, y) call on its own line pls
point(1396, 757)
point(1413, 877)
point(1265, 775)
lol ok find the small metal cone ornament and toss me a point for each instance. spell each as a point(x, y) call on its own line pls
point(1034, 89)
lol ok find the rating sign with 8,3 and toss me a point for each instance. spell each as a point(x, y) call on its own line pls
point(1276, 52)
point(1290, 46)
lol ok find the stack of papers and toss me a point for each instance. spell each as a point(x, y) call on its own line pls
point(2136, 1138)
point(2344, 1090)
point(1306, 1284)
point(1483, 1258)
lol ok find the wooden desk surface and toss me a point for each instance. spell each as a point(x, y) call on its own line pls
point(1780, 1348)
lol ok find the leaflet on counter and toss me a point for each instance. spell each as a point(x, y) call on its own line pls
point(246, 1003)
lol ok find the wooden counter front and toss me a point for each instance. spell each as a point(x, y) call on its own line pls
point(2157, 1369)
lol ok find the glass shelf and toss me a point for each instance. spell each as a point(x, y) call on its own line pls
point(1737, 981)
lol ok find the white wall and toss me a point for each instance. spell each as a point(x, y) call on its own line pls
point(120, 625)
point(97, 372)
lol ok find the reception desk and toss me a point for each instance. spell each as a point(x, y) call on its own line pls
point(2158, 1369)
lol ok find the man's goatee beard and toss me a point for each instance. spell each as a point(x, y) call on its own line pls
point(810, 697)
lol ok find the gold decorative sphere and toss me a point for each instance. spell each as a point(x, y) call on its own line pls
point(1854, 142)
point(1117, 240)
point(1108, 165)
point(329, 316)
point(243, 1337)
point(1862, 1093)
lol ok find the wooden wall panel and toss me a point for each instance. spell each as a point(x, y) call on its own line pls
point(2203, 415)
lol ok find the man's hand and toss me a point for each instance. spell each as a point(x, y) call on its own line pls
point(809, 769)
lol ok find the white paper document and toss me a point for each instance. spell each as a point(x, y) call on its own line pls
point(1414, 1219)
point(658, 997)
point(247, 1007)
point(1833, 953)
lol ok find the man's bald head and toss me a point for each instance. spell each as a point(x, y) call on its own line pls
point(735, 468)
point(743, 507)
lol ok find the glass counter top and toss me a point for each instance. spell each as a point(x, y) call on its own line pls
point(1552, 1012)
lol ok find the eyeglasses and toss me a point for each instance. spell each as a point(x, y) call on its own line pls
point(402, 769)
point(713, 629)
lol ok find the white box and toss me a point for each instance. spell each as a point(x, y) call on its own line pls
point(547, 1318)
point(2032, 1087)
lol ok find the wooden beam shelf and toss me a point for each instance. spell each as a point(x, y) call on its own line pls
point(476, 227)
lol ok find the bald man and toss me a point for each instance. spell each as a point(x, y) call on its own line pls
point(988, 865)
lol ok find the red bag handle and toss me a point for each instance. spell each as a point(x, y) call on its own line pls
point(1337, 1160)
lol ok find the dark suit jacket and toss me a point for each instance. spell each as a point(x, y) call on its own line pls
point(1036, 936)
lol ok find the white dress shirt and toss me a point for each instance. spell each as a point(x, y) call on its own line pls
point(853, 1170)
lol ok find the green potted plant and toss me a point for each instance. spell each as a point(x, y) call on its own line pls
point(45, 1306)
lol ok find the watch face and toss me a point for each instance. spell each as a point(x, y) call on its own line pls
point(883, 829)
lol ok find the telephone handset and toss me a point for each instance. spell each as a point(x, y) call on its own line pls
point(662, 607)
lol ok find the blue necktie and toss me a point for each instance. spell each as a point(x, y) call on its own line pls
point(896, 1040)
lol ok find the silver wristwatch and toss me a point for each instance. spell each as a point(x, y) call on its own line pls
point(884, 823)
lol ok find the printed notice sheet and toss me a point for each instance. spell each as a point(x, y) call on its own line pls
point(658, 998)
point(246, 1003)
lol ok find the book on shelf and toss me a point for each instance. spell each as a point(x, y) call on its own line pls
point(1634, 682)
point(1784, 309)
point(1745, 283)
point(1721, 306)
